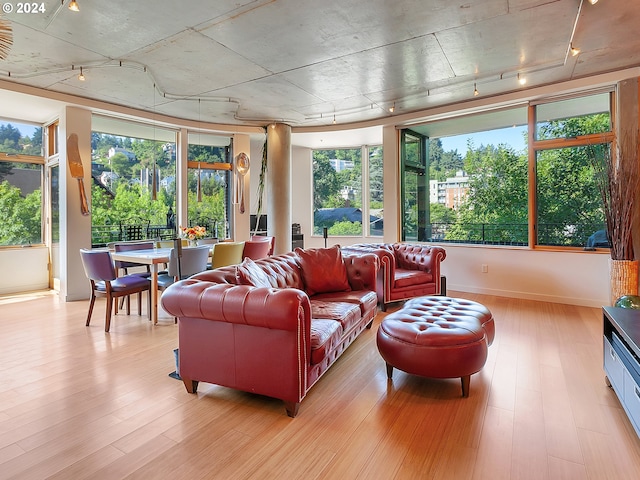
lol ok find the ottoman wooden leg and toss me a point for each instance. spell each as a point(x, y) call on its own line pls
point(465, 385)
point(389, 371)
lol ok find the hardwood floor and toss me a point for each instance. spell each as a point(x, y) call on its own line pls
point(77, 403)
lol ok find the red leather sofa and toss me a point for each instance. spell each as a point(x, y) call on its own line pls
point(406, 270)
point(272, 326)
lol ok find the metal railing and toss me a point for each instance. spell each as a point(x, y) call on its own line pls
point(516, 234)
point(101, 235)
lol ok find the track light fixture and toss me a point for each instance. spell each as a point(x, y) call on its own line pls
point(73, 6)
point(81, 76)
point(593, 2)
point(522, 80)
point(392, 107)
point(574, 51)
point(475, 90)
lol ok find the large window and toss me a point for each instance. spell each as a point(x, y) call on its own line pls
point(133, 192)
point(568, 203)
point(209, 183)
point(486, 186)
point(21, 180)
point(338, 191)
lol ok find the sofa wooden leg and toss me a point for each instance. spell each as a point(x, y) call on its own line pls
point(466, 380)
point(383, 307)
point(389, 371)
point(292, 408)
point(190, 385)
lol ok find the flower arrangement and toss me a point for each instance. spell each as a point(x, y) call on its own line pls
point(193, 233)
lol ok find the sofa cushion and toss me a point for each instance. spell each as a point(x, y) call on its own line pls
point(323, 270)
point(406, 278)
point(248, 273)
point(348, 314)
point(365, 299)
point(325, 335)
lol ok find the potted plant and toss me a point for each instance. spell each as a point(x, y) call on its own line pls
point(618, 180)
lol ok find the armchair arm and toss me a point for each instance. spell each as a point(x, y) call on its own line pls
point(362, 271)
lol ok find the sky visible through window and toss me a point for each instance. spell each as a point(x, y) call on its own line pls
point(513, 136)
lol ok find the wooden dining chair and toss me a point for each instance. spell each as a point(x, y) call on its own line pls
point(125, 266)
point(101, 272)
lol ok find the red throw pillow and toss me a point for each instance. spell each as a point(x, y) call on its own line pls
point(323, 270)
point(248, 273)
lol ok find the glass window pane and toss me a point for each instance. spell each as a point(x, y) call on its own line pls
point(20, 138)
point(568, 200)
point(337, 191)
point(410, 228)
point(20, 184)
point(478, 187)
point(573, 117)
point(20, 203)
point(209, 189)
point(376, 192)
point(133, 195)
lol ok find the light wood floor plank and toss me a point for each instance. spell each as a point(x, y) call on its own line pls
point(77, 403)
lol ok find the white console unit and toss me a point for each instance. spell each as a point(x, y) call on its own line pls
point(622, 358)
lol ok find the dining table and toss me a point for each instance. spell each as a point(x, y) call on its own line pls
point(152, 257)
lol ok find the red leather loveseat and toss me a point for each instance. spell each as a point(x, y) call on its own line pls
point(272, 326)
point(406, 270)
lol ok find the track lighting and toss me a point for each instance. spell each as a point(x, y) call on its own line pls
point(574, 51)
point(81, 76)
point(73, 6)
point(475, 90)
point(593, 2)
point(522, 80)
point(392, 107)
point(334, 119)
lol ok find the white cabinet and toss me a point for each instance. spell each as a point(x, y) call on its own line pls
point(622, 358)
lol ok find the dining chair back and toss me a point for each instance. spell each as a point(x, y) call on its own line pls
point(101, 272)
point(183, 263)
point(207, 241)
point(125, 266)
point(265, 238)
point(192, 261)
point(256, 249)
point(170, 243)
point(227, 253)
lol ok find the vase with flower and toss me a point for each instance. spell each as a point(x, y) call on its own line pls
point(193, 234)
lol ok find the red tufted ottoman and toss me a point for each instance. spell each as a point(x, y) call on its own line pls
point(438, 337)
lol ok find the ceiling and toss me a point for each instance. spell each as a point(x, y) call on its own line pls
point(309, 63)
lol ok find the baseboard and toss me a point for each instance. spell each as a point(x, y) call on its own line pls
point(584, 302)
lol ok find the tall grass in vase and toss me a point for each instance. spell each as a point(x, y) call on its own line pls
point(618, 179)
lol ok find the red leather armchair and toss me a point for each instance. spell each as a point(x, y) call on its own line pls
point(406, 270)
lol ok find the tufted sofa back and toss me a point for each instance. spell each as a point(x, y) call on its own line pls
point(283, 270)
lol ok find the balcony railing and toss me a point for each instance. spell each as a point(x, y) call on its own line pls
point(579, 235)
point(101, 235)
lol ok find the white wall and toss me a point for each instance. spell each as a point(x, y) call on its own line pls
point(23, 269)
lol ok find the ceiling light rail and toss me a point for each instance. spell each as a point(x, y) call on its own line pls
point(119, 64)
